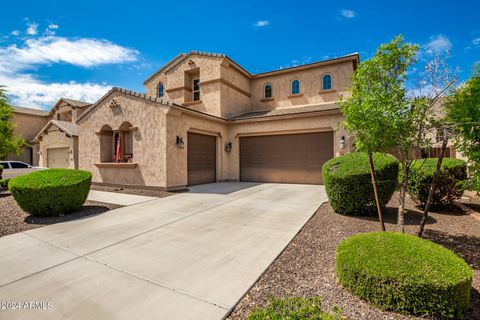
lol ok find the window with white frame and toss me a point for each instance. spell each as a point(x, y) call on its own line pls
point(196, 89)
point(267, 94)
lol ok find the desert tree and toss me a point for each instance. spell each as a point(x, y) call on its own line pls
point(375, 113)
point(9, 141)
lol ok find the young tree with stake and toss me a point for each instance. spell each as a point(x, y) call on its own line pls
point(375, 113)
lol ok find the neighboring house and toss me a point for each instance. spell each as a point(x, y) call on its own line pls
point(28, 122)
point(204, 119)
point(58, 139)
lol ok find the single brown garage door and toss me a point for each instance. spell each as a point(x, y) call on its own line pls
point(292, 158)
point(201, 158)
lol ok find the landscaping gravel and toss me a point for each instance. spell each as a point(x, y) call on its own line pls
point(307, 266)
point(13, 219)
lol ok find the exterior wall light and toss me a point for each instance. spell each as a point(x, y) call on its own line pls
point(179, 142)
point(342, 142)
point(228, 147)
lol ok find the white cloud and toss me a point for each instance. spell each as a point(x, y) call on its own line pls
point(262, 23)
point(346, 13)
point(476, 42)
point(32, 28)
point(18, 60)
point(15, 32)
point(51, 49)
point(438, 44)
point(50, 30)
point(27, 91)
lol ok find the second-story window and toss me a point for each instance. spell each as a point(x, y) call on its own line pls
point(295, 87)
point(268, 91)
point(327, 82)
point(196, 89)
point(161, 89)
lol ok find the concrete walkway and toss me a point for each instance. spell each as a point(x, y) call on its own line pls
point(189, 256)
point(122, 199)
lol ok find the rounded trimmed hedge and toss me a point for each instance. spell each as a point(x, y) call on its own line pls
point(349, 186)
point(51, 192)
point(453, 173)
point(405, 274)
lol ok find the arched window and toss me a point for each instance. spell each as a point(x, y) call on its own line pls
point(295, 87)
point(327, 82)
point(268, 91)
point(160, 90)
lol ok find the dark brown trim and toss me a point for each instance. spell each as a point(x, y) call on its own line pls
point(327, 91)
point(267, 99)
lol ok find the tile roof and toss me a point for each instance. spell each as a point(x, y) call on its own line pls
point(129, 92)
point(67, 127)
point(35, 112)
point(76, 103)
point(287, 111)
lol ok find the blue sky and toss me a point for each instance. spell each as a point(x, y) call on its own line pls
point(79, 49)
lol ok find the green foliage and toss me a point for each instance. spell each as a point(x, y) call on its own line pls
point(405, 274)
point(294, 309)
point(9, 142)
point(51, 192)
point(348, 182)
point(1, 171)
point(376, 113)
point(4, 183)
point(453, 174)
point(463, 111)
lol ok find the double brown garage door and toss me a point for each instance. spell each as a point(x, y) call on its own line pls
point(289, 158)
point(292, 158)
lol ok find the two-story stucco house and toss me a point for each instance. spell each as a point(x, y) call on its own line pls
point(204, 118)
point(58, 139)
point(52, 136)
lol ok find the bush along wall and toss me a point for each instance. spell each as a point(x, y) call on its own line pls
point(453, 175)
point(405, 274)
point(51, 192)
point(349, 186)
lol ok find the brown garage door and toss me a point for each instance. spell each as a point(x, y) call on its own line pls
point(292, 158)
point(201, 158)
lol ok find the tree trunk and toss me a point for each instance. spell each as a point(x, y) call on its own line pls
point(433, 185)
point(403, 193)
point(375, 191)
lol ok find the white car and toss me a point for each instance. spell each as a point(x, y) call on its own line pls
point(15, 168)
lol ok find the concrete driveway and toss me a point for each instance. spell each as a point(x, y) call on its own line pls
point(189, 256)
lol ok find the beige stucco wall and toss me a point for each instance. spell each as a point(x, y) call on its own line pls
point(149, 142)
point(180, 123)
point(227, 91)
point(310, 87)
point(54, 138)
point(28, 126)
point(178, 91)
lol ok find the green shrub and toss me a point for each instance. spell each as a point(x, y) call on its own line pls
point(405, 274)
point(294, 309)
point(4, 183)
point(453, 175)
point(51, 192)
point(349, 186)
